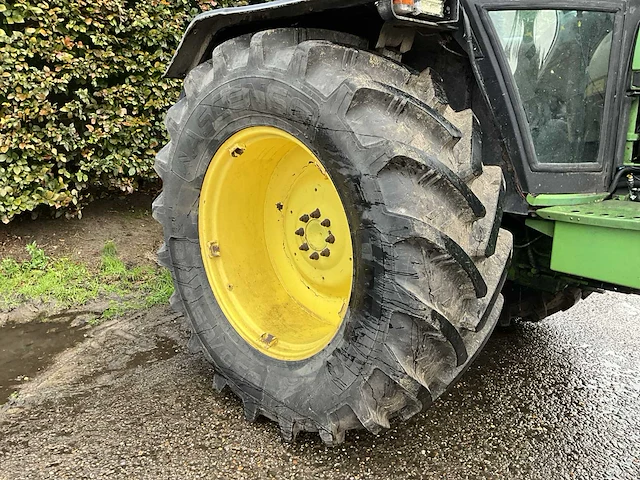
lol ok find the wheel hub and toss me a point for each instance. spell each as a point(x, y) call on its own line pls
point(315, 235)
point(283, 267)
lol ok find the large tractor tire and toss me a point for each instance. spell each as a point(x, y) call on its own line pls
point(334, 242)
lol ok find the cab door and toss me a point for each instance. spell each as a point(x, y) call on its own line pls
point(555, 75)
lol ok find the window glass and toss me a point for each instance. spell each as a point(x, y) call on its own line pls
point(560, 61)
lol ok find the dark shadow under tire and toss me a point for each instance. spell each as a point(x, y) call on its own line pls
point(429, 256)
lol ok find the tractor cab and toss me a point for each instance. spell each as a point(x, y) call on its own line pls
point(561, 82)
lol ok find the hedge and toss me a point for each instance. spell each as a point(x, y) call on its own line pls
point(82, 99)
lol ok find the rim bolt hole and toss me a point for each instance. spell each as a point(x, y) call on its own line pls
point(214, 249)
point(304, 218)
point(300, 232)
point(316, 213)
point(326, 252)
point(330, 238)
point(326, 223)
point(304, 247)
point(237, 150)
point(314, 256)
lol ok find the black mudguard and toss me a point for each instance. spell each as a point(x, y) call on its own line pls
point(203, 30)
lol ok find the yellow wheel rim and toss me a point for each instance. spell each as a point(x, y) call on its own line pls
point(275, 243)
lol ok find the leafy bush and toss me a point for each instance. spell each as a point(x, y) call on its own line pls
point(82, 99)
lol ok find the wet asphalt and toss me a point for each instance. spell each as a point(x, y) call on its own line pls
point(553, 400)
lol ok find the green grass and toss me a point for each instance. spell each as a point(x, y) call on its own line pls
point(67, 283)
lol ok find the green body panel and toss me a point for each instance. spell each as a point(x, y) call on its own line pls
point(600, 253)
point(632, 136)
point(599, 241)
point(636, 54)
point(552, 199)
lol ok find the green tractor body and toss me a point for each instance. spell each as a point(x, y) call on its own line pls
point(544, 94)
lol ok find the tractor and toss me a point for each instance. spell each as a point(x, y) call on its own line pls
point(356, 192)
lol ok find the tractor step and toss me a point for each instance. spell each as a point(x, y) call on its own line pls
point(614, 214)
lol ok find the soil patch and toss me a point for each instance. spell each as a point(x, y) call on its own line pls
point(125, 220)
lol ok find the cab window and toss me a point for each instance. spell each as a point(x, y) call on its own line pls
point(559, 60)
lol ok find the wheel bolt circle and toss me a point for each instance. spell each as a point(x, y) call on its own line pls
point(326, 223)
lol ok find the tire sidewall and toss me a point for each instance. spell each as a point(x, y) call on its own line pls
point(318, 384)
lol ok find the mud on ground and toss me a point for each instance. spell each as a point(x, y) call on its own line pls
point(559, 399)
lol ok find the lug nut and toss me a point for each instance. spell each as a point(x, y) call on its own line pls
point(304, 218)
point(330, 238)
point(315, 213)
point(304, 247)
point(326, 252)
point(314, 256)
point(326, 223)
point(300, 232)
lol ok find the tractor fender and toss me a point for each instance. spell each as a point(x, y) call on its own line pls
point(205, 29)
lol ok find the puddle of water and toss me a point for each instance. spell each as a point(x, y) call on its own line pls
point(26, 349)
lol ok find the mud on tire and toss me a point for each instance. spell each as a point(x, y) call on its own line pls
point(429, 256)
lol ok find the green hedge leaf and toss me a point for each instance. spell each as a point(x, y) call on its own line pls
point(82, 98)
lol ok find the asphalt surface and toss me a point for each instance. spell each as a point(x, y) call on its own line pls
point(554, 400)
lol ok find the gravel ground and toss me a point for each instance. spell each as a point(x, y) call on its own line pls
point(554, 400)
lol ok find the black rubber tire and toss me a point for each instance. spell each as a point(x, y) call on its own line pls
point(429, 254)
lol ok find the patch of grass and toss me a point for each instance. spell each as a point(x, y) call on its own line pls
point(61, 281)
point(117, 309)
point(68, 283)
point(160, 289)
point(38, 259)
